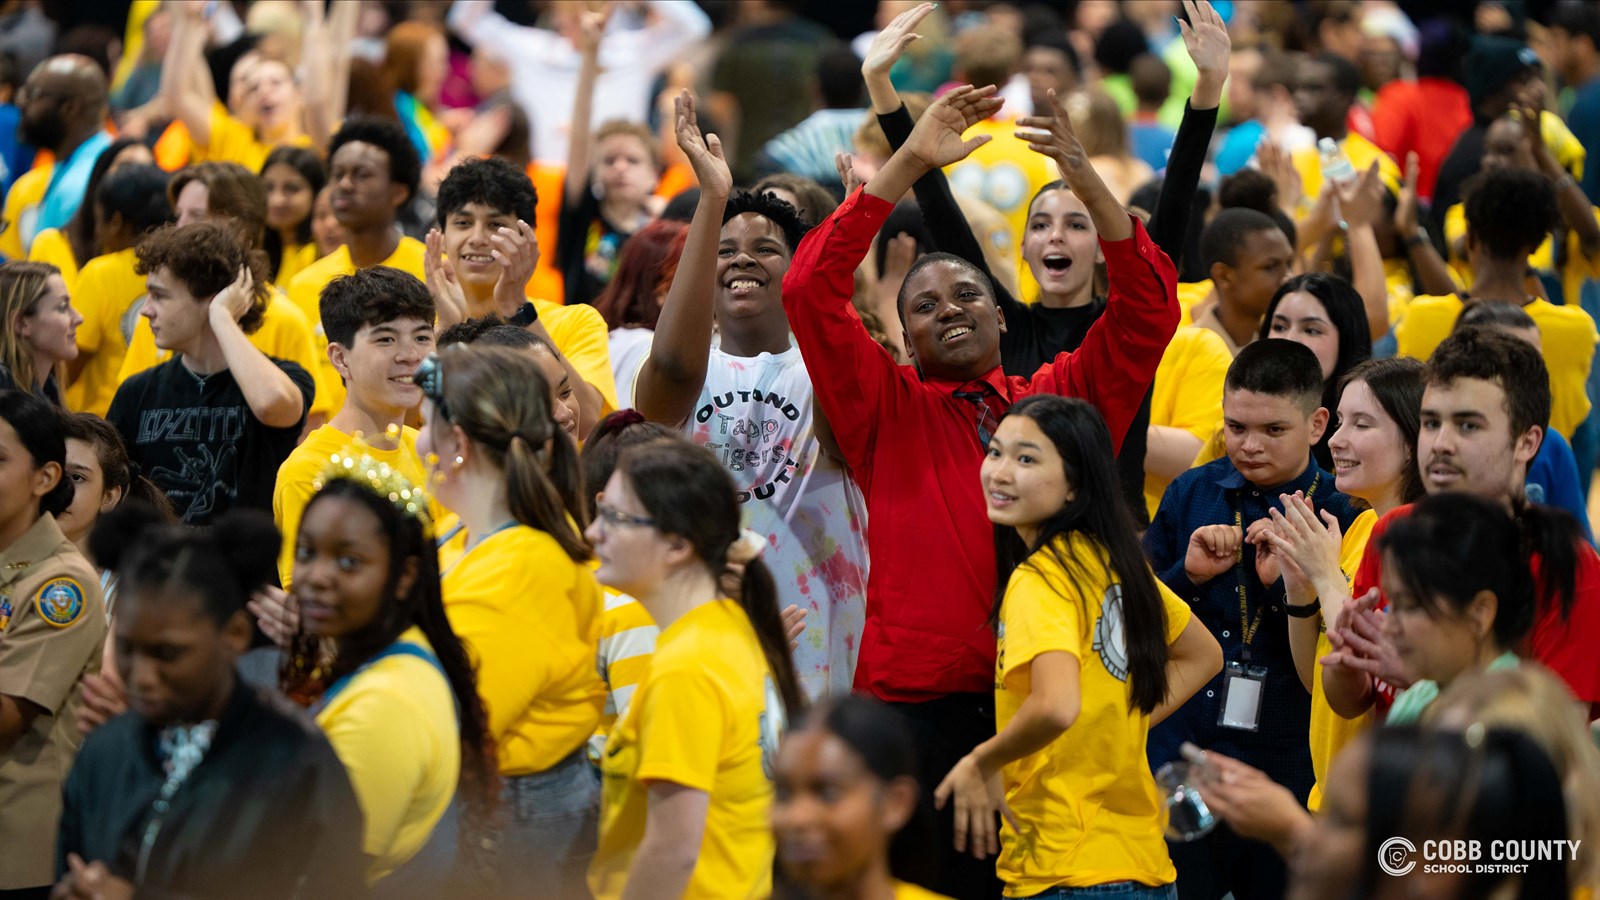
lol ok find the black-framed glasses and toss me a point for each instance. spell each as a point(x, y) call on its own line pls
point(430, 377)
point(612, 516)
point(986, 420)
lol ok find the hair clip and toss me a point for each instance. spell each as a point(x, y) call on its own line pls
point(356, 463)
point(430, 378)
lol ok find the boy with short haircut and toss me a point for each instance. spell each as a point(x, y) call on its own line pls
point(379, 323)
point(373, 170)
point(481, 259)
point(212, 424)
point(1485, 408)
point(1248, 258)
point(1205, 543)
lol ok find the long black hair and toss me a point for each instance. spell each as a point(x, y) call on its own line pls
point(1097, 511)
point(691, 495)
point(1454, 546)
point(1348, 315)
point(421, 606)
point(309, 166)
point(1485, 785)
point(38, 426)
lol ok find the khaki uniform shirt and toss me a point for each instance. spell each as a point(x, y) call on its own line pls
point(52, 629)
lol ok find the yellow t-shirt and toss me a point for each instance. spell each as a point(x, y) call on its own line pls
point(234, 141)
point(108, 288)
point(1191, 295)
point(306, 293)
point(707, 717)
point(579, 332)
point(1576, 270)
point(1089, 807)
point(1567, 333)
point(530, 618)
point(394, 728)
point(906, 891)
point(51, 246)
point(1397, 278)
point(627, 640)
point(1187, 393)
point(299, 471)
point(284, 334)
point(1005, 174)
point(294, 260)
point(1330, 732)
point(22, 211)
point(1361, 152)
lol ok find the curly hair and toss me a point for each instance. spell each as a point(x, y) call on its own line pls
point(1510, 212)
point(767, 205)
point(206, 257)
point(490, 182)
point(232, 192)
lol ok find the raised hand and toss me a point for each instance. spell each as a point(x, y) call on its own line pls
point(703, 151)
point(1406, 221)
point(847, 173)
point(517, 252)
point(1054, 137)
point(1276, 164)
point(449, 301)
point(936, 141)
point(1213, 549)
point(592, 28)
point(1313, 546)
point(1361, 201)
point(1206, 38)
point(892, 41)
point(234, 300)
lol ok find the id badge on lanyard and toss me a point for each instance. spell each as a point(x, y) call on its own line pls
point(1242, 687)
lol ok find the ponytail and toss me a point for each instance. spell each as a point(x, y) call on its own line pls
point(1554, 536)
point(537, 499)
point(758, 596)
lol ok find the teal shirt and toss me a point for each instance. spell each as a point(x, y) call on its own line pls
point(1411, 702)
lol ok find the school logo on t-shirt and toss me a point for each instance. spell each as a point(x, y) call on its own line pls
point(771, 725)
point(1108, 637)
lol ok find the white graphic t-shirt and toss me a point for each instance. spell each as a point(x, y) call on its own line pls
point(755, 414)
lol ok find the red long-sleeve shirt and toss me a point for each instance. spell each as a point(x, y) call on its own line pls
point(913, 447)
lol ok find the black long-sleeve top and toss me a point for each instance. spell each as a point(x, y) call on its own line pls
point(1036, 333)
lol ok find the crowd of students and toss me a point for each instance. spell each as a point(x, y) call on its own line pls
point(957, 510)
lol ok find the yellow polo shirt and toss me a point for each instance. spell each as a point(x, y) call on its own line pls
point(1187, 393)
point(51, 246)
point(1330, 732)
point(21, 210)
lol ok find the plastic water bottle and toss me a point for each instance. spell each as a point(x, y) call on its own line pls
point(1336, 167)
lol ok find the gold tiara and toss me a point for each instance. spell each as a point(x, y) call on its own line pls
point(356, 463)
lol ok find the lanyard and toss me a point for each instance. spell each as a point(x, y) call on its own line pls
point(474, 544)
point(1247, 628)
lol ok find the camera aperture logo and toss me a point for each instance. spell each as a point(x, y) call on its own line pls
point(1398, 856)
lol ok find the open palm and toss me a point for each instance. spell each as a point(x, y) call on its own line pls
point(704, 151)
point(937, 140)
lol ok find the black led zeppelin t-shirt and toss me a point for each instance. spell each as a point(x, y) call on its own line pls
point(195, 437)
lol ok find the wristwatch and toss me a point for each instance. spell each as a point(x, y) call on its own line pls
point(525, 315)
point(1418, 239)
point(1303, 612)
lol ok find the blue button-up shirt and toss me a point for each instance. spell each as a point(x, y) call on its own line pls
point(1212, 495)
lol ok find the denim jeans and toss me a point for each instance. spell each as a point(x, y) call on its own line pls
point(1117, 890)
point(550, 822)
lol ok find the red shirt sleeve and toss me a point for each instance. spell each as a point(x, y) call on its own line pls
point(1116, 363)
point(852, 375)
point(1567, 645)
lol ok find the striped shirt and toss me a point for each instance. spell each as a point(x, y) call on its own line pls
point(627, 638)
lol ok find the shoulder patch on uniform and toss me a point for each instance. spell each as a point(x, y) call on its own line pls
point(59, 601)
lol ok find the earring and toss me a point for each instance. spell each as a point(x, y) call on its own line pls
point(460, 462)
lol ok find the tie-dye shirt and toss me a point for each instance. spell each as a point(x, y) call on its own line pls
point(755, 414)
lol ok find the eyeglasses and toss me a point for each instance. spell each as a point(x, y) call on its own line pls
point(986, 418)
point(430, 377)
point(610, 515)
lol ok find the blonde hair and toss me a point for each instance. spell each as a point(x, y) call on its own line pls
point(1535, 702)
point(22, 286)
point(1099, 123)
point(501, 400)
point(614, 127)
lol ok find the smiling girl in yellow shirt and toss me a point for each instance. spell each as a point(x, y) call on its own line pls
point(1092, 651)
